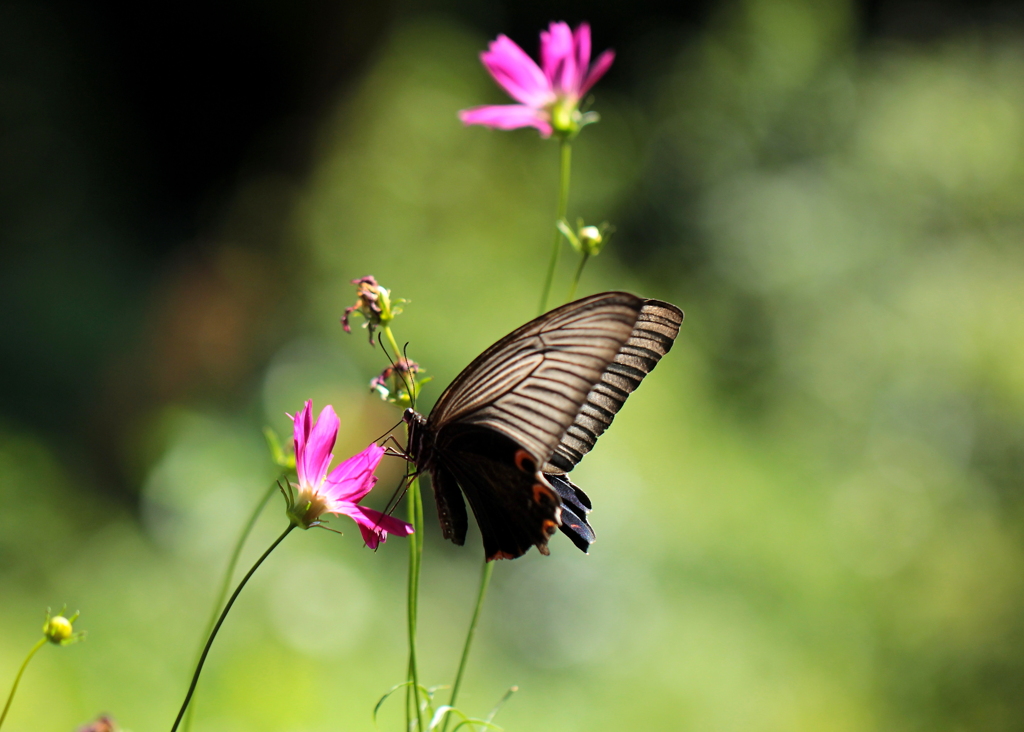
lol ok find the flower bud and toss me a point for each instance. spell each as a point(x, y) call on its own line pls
point(58, 629)
point(587, 240)
point(590, 239)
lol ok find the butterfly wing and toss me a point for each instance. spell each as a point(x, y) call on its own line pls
point(530, 385)
point(653, 334)
point(513, 408)
point(514, 505)
point(575, 506)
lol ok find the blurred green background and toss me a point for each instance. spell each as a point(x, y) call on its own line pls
point(809, 517)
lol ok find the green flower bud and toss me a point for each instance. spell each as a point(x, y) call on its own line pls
point(58, 629)
point(590, 239)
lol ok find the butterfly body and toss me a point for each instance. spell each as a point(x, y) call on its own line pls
point(523, 414)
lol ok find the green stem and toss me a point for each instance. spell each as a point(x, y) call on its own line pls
point(225, 585)
point(415, 554)
point(391, 341)
point(10, 697)
point(485, 579)
point(220, 622)
point(412, 694)
point(576, 279)
point(565, 156)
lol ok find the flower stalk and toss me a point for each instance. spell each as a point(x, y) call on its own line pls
point(17, 679)
point(564, 171)
point(415, 512)
point(225, 585)
point(415, 515)
point(220, 622)
point(485, 580)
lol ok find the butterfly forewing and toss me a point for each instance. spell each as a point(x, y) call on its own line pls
point(652, 337)
point(530, 385)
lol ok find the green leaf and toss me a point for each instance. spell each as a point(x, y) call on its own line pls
point(389, 692)
point(497, 707)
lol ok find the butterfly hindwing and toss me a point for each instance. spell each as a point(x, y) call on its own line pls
point(513, 503)
point(451, 509)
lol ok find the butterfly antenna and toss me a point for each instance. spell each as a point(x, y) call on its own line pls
point(380, 340)
point(412, 392)
point(394, 366)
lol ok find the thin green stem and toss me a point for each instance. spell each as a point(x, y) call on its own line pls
point(220, 622)
point(485, 580)
point(10, 697)
point(391, 341)
point(415, 554)
point(565, 166)
point(412, 695)
point(225, 585)
point(576, 279)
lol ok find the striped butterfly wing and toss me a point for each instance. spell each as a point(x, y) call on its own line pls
point(531, 385)
point(506, 413)
point(652, 337)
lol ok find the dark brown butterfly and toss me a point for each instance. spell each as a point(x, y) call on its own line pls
point(525, 412)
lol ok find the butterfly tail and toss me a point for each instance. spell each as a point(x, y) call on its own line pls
point(575, 507)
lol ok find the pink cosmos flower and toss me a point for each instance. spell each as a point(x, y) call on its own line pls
point(550, 93)
point(340, 491)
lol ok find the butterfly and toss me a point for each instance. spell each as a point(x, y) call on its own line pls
point(508, 430)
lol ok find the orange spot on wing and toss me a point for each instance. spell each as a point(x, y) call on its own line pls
point(542, 494)
point(525, 462)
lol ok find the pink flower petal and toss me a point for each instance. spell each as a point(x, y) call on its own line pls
point(558, 57)
point(354, 478)
point(316, 456)
point(303, 422)
point(517, 73)
point(375, 526)
point(507, 117)
point(581, 39)
point(600, 67)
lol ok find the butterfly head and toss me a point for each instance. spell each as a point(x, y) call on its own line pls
point(416, 423)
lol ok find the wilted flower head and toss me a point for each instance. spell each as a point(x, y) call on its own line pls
point(550, 94)
point(58, 628)
point(102, 724)
point(340, 491)
point(399, 383)
point(373, 302)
